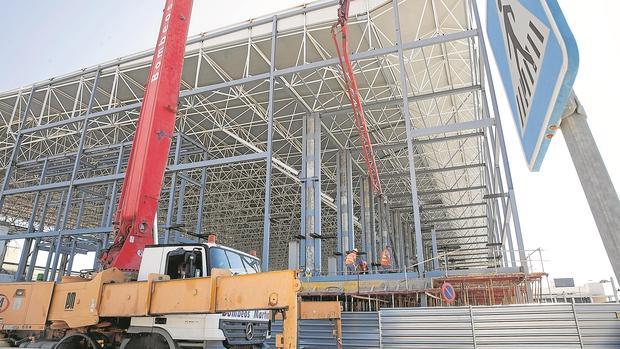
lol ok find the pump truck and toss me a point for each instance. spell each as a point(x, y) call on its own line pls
point(158, 296)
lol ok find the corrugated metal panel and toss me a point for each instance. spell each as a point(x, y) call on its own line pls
point(518, 326)
point(359, 330)
point(426, 328)
point(599, 325)
point(494, 327)
point(526, 326)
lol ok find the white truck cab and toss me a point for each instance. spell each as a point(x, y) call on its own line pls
point(242, 329)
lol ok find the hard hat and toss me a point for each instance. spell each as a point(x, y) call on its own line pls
point(355, 250)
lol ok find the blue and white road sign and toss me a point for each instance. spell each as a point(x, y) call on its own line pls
point(537, 58)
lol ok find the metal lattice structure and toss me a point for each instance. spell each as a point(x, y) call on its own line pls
point(241, 144)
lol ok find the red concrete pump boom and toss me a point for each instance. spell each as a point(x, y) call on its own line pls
point(353, 93)
point(135, 216)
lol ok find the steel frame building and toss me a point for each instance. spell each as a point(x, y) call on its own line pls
point(266, 151)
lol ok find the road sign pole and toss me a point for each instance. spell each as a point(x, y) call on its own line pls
point(595, 181)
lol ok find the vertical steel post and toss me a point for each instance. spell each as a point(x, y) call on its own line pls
point(37, 241)
point(172, 191)
point(201, 198)
point(23, 259)
point(368, 226)
point(318, 257)
point(349, 193)
point(398, 232)
point(419, 243)
point(310, 246)
point(180, 204)
point(100, 246)
point(498, 186)
point(56, 243)
point(435, 253)
point(344, 198)
point(595, 180)
point(408, 242)
point(78, 224)
point(500, 134)
point(267, 211)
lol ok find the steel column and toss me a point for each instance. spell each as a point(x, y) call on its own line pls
point(368, 225)
point(172, 191)
point(344, 206)
point(50, 253)
point(498, 125)
point(310, 244)
point(78, 224)
point(37, 241)
point(410, 151)
point(201, 199)
point(23, 259)
point(267, 213)
point(435, 253)
point(180, 204)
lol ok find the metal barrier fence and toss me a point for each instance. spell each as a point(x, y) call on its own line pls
point(567, 326)
point(359, 330)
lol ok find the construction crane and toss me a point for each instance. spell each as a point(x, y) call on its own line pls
point(158, 296)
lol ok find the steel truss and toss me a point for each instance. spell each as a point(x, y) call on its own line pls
point(237, 156)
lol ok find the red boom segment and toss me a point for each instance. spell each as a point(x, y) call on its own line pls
point(135, 217)
point(354, 95)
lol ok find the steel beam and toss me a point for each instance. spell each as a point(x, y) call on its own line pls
point(456, 127)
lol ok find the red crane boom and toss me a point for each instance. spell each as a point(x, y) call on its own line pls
point(135, 216)
point(354, 95)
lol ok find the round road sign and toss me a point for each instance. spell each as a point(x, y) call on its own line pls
point(447, 292)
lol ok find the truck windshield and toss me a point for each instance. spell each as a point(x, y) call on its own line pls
point(237, 263)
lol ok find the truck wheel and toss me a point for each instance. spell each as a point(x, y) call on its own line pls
point(151, 341)
point(77, 341)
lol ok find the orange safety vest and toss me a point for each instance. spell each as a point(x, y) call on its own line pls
point(385, 258)
point(351, 257)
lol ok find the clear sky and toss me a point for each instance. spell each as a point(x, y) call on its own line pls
point(42, 39)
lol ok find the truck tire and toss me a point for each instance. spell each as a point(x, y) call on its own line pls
point(77, 341)
point(146, 340)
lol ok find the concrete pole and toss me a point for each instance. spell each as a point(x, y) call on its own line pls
point(595, 181)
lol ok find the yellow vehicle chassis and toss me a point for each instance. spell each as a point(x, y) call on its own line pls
point(77, 303)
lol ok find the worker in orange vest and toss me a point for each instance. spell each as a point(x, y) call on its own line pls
point(352, 260)
point(386, 259)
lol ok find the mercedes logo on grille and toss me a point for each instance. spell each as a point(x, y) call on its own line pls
point(249, 331)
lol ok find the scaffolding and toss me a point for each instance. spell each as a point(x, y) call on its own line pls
point(263, 113)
